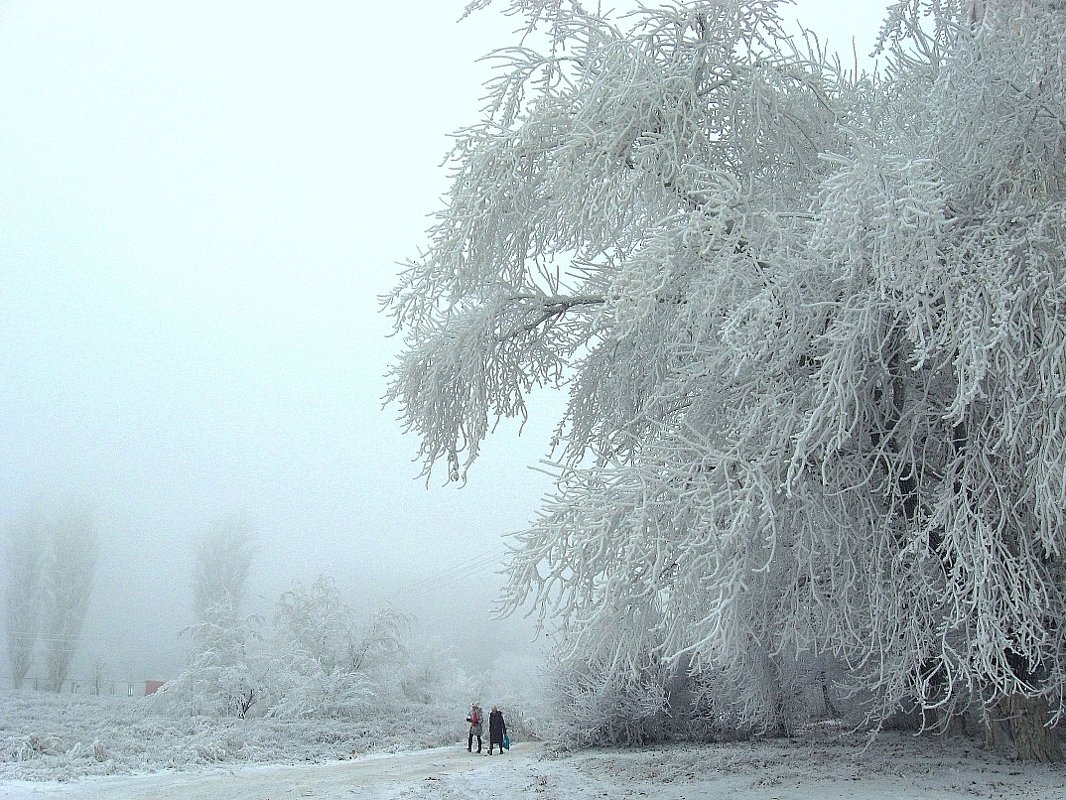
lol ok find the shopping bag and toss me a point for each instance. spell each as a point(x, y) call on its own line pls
point(506, 742)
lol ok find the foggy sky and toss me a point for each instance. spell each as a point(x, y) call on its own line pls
point(202, 202)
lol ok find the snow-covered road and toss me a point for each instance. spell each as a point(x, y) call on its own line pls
point(897, 767)
point(363, 777)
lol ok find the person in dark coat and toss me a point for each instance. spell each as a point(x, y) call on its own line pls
point(497, 729)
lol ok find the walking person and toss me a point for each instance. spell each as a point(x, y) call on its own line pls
point(474, 719)
point(497, 729)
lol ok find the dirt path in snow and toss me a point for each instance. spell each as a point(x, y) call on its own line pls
point(278, 782)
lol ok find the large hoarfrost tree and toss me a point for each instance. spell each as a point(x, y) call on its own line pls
point(811, 326)
point(936, 417)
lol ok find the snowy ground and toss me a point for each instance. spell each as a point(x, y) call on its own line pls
point(898, 767)
point(315, 760)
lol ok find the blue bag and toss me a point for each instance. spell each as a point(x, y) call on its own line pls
point(506, 742)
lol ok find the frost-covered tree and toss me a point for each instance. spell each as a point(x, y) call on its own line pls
point(432, 673)
point(317, 622)
point(226, 666)
point(226, 670)
point(326, 665)
point(24, 545)
point(812, 329)
point(314, 645)
point(67, 572)
point(49, 566)
point(379, 646)
point(935, 417)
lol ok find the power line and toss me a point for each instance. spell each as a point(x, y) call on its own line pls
point(457, 571)
point(460, 570)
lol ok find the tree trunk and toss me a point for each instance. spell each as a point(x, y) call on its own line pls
point(1019, 723)
point(829, 708)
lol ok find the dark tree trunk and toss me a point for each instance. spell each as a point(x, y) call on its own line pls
point(829, 708)
point(1018, 724)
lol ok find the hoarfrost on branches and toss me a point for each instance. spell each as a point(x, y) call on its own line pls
point(226, 671)
point(326, 665)
point(812, 329)
point(315, 661)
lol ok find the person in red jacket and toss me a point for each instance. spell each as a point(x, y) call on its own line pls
point(474, 719)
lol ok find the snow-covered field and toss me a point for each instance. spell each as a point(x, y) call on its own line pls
point(76, 749)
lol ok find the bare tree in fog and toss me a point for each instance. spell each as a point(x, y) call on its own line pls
point(69, 563)
point(23, 544)
point(223, 558)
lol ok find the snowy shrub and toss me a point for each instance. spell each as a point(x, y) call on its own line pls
point(323, 664)
point(100, 751)
point(304, 690)
point(313, 645)
point(610, 693)
point(225, 672)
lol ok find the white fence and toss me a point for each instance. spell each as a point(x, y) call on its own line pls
point(87, 686)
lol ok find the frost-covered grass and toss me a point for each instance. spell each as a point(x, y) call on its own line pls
point(47, 737)
point(54, 739)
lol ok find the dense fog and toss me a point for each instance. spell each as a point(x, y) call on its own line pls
point(204, 209)
point(189, 313)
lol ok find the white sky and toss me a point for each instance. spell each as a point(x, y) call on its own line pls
point(202, 202)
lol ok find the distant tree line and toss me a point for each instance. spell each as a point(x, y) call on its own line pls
point(312, 659)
